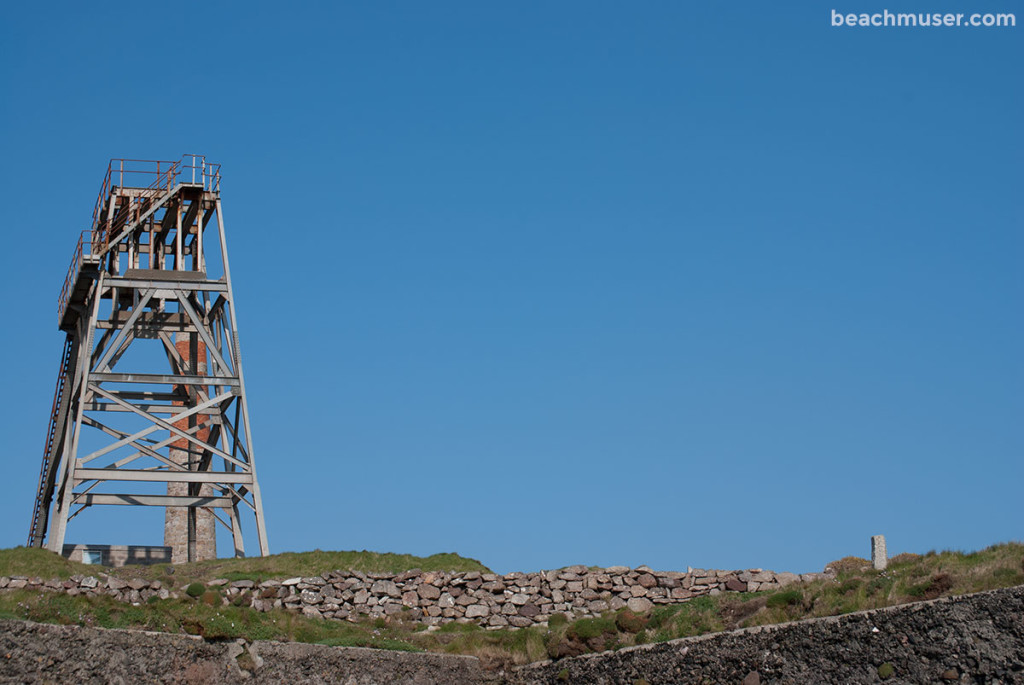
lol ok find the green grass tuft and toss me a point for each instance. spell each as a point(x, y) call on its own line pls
point(587, 628)
point(557, 620)
point(789, 598)
point(291, 564)
point(30, 561)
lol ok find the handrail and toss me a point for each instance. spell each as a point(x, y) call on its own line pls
point(155, 177)
point(120, 218)
point(35, 535)
point(169, 172)
point(85, 246)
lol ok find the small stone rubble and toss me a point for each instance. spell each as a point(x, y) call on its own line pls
point(514, 600)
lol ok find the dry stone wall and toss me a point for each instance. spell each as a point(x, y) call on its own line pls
point(513, 600)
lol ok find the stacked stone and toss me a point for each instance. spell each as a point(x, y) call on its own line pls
point(434, 598)
point(515, 599)
point(135, 591)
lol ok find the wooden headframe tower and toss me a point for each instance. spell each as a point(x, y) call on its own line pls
point(150, 406)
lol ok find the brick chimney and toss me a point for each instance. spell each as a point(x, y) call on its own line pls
point(190, 531)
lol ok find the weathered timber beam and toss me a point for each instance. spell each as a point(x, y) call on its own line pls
point(164, 476)
point(211, 286)
point(130, 228)
point(90, 499)
point(157, 421)
point(156, 378)
point(151, 408)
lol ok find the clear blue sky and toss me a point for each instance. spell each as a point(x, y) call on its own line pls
point(544, 283)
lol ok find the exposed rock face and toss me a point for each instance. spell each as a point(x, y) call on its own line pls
point(41, 653)
point(34, 652)
point(975, 638)
point(437, 598)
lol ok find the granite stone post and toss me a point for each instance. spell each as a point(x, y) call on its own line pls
point(879, 560)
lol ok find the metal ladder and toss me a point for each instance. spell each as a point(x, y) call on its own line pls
point(45, 490)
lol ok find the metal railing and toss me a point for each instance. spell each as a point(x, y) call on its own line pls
point(201, 171)
point(87, 245)
point(151, 178)
point(154, 175)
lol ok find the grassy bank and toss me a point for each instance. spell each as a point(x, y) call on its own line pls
point(192, 616)
point(856, 587)
point(25, 561)
point(909, 578)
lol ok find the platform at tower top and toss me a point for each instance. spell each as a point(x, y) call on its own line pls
point(132, 193)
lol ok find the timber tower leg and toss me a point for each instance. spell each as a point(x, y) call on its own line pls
point(150, 406)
